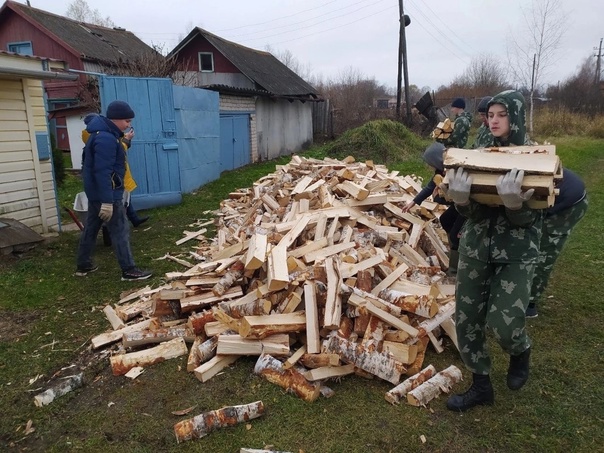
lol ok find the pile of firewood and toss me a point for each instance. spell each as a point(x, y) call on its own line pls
point(316, 270)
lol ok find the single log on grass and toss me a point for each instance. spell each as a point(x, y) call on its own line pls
point(441, 382)
point(201, 425)
point(291, 380)
point(65, 385)
point(399, 392)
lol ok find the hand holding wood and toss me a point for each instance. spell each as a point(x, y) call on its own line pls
point(509, 188)
point(460, 183)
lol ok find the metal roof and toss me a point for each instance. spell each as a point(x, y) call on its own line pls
point(92, 42)
point(261, 67)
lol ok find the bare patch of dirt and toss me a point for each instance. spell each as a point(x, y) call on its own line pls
point(16, 324)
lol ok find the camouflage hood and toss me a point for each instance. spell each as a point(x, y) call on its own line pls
point(514, 103)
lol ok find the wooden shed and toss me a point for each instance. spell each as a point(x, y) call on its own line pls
point(27, 184)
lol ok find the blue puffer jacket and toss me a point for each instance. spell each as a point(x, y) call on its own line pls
point(104, 162)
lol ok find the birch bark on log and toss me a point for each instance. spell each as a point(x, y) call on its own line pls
point(234, 273)
point(121, 364)
point(425, 306)
point(441, 382)
point(291, 380)
point(207, 349)
point(201, 425)
point(399, 392)
point(198, 321)
point(377, 363)
point(64, 386)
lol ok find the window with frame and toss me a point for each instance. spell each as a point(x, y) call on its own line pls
point(206, 61)
point(23, 48)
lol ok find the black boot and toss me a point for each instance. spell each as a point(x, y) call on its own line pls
point(481, 392)
point(518, 372)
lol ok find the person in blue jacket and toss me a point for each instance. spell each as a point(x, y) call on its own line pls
point(570, 207)
point(103, 172)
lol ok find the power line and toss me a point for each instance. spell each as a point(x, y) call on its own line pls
point(439, 31)
point(335, 28)
point(305, 21)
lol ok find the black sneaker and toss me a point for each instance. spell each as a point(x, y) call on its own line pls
point(136, 274)
point(84, 271)
point(531, 311)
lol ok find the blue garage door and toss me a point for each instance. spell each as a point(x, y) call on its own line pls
point(234, 141)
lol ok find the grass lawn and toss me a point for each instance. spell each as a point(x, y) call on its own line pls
point(47, 318)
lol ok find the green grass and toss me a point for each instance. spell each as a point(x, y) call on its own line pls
point(47, 318)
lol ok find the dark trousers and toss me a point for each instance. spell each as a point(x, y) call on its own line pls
point(452, 221)
point(119, 231)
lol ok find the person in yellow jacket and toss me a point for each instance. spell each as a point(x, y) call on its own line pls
point(129, 182)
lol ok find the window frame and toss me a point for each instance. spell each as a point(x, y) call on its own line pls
point(20, 44)
point(199, 55)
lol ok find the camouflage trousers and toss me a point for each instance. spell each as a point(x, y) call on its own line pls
point(493, 295)
point(556, 229)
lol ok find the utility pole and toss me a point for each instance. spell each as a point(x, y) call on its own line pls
point(402, 64)
point(598, 65)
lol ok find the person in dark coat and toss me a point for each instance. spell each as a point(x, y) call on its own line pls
point(103, 172)
point(570, 207)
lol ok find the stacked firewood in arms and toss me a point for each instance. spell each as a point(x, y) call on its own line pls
point(443, 130)
point(316, 270)
point(541, 165)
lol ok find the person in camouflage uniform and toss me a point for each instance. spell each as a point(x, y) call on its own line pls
point(483, 135)
point(461, 126)
point(570, 207)
point(499, 249)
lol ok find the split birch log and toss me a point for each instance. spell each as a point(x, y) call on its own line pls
point(278, 277)
point(291, 380)
point(115, 321)
point(399, 392)
point(425, 306)
point(200, 301)
point(235, 344)
point(259, 327)
point(201, 425)
point(142, 337)
point(121, 364)
point(313, 340)
point(207, 349)
point(256, 253)
point(293, 359)
point(320, 360)
point(415, 367)
point(233, 274)
point(253, 308)
point(441, 382)
point(193, 360)
point(64, 386)
point(405, 353)
point(379, 364)
point(327, 372)
point(198, 321)
point(212, 367)
point(116, 335)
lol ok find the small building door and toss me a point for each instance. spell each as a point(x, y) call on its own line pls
point(234, 141)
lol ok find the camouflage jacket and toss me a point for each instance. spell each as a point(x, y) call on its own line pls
point(461, 130)
point(484, 137)
point(495, 234)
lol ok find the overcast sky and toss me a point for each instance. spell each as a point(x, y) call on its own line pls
point(329, 36)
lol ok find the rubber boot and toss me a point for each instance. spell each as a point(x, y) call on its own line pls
point(518, 372)
point(453, 260)
point(480, 393)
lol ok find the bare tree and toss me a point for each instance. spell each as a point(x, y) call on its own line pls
point(531, 50)
point(289, 59)
point(80, 10)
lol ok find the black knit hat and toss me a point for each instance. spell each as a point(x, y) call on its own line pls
point(459, 103)
point(483, 104)
point(119, 110)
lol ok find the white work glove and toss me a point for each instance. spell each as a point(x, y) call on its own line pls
point(106, 212)
point(509, 188)
point(460, 183)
